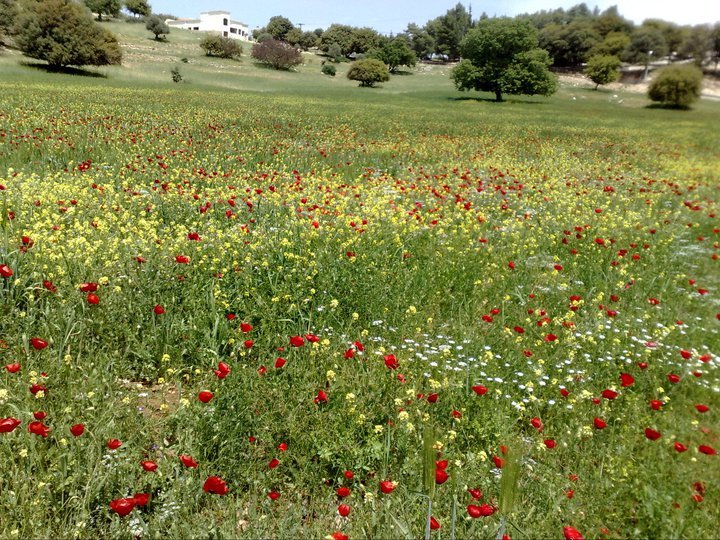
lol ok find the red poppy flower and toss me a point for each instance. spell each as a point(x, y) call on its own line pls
point(572, 533)
point(158, 309)
point(343, 510)
point(391, 362)
point(188, 461)
point(49, 286)
point(483, 510)
point(320, 398)
point(205, 396)
point(114, 444)
point(246, 327)
point(687, 355)
point(38, 344)
point(499, 462)
point(182, 259)
point(536, 423)
point(479, 389)
point(550, 338)
point(195, 237)
point(441, 476)
point(626, 380)
point(343, 491)
point(297, 341)
point(222, 371)
point(8, 425)
point(349, 353)
point(432, 398)
point(550, 443)
point(149, 466)
point(35, 388)
point(599, 423)
point(13, 368)
point(349, 475)
point(5, 271)
point(93, 299)
point(673, 378)
point(564, 392)
point(702, 408)
point(680, 447)
point(77, 430)
point(38, 428)
point(141, 499)
point(215, 485)
point(273, 495)
point(434, 524)
point(387, 486)
point(707, 450)
point(656, 404)
point(274, 462)
point(248, 343)
point(312, 338)
point(123, 507)
point(511, 265)
point(609, 394)
point(337, 535)
point(283, 447)
point(40, 415)
point(262, 370)
point(280, 362)
point(475, 493)
point(88, 287)
point(652, 434)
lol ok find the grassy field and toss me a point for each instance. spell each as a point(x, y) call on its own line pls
point(280, 305)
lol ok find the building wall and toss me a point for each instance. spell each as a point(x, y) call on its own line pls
point(215, 21)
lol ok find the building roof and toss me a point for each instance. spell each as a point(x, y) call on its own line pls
point(218, 12)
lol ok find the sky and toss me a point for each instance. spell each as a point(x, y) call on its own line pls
point(393, 16)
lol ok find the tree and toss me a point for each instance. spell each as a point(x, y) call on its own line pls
point(501, 56)
point(157, 26)
point(569, 44)
point(104, 7)
point(613, 45)
point(448, 30)
point(278, 54)
point(8, 12)
point(676, 86)
point(421, 42)
point(278, 27)
point(221, 47)
point(603, 69)
point(339, 34)
point(645, 43)
point(368, 72)
point(63, 33)
point(697, 44)
point(139, 8)
point(395, 53)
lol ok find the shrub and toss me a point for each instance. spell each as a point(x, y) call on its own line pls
point(278, 54)
point(368, 72)
point(676, 86)
point(328, 69)
point(71, 40)
point(157, 26)
point(221, 47)
point(602, 69)
point(176, 75)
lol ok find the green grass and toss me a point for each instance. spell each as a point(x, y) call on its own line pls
point(387, 217)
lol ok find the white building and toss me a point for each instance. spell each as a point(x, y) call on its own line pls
point(214, 21)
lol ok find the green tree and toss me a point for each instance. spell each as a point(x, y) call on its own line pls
point(448, 30)
point(277, 54)
point(104, 7)
point(610, 20)
point(502, 56)
point(139, 8)
point(697, 44)
point(645, 43)
point(395, 53)
point(368, 72)
point(221, 47)
point(157, 26)
point(613, 45)
point(8, 12)
point(569, 44)
point(602, 69)
point(62, 33)
point(421, 42)
point(676, 86)
point(341, 35)
point(278, 27)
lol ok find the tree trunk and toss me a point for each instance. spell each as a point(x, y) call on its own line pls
point(498, 96)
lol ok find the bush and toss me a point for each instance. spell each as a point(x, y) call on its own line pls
point(277, 54)
point(602, 69)
point(676, 86)
point(157, 26)
point(221, 47)
point(328, 69)
point(72, 39)
point(368, 72)
point(176, 75)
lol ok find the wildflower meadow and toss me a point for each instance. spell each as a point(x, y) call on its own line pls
point(355, 313)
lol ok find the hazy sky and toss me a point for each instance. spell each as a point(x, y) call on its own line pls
point(393, 15)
